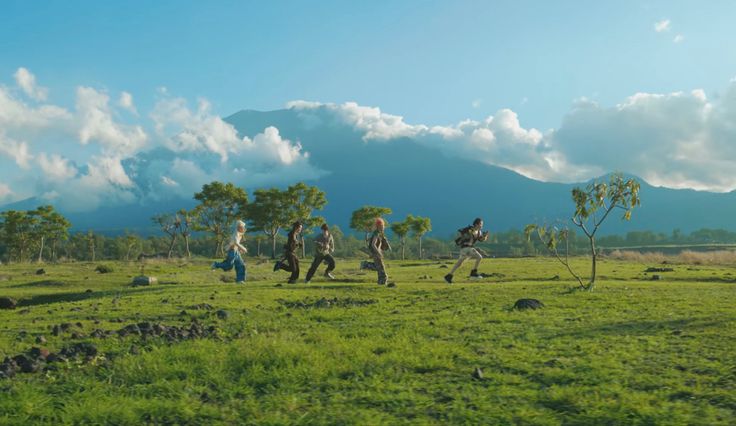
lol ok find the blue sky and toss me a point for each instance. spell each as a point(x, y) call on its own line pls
point(428, 61)
point(557, 91)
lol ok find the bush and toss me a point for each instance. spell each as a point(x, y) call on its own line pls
point(103, 269)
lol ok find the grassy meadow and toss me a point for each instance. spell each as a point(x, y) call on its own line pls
point(634, 351)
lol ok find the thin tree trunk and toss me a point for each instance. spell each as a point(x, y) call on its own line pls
point(594, 253)
point(258, 247)
point(273, 246)
point(171, 245)
point(304, 249)
point(40, 252)
point(186, 244)
point(420, 248)
point(403, 249)
point(53, 250)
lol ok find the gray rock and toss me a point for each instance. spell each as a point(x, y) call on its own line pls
point(8, 303)
point(522, 304)
point(144, 280)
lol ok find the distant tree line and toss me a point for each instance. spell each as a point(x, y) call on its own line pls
point(43, 234)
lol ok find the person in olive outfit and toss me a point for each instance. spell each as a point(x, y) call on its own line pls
point(291, 263)
point(324, 246)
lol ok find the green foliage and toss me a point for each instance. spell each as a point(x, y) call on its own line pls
point(363, 219)
point(401, 229)
point(419, 226)
point(592, 206)
point(219, 206)
point(23, 231)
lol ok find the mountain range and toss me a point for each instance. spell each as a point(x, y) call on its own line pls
point(410, 177)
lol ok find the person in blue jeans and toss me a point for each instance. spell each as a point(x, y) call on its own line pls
point(234, 252)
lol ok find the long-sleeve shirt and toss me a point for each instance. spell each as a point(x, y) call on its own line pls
point(469, 236)
point(378, 243)
point(292, 242)
point(325, 245)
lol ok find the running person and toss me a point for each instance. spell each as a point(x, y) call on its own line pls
point(235, 250)
point(324, 247)
point(467, 239)
point(377, 244)
point(293, 242)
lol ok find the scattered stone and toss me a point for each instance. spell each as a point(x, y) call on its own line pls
point(202, 306)
point(24, 311)
point(99, 334)
point(77, 335)
point(391, 285)
point(103, 269)
point(134, 349)
point(40, 340)
point(556, 278)
point(26, 364)
point(327, 303)
point(56, 330)
point(22, 334)
point(425, 277)
point(477, 373)
point(65, 326)
point(89, 290)
point(4, 277)
point(39, 353)
point(659, 270)
point(40, 271)
point(144, 280)
point(444, 267)
point(83, 350)
point(8, 303)
point(75, 309)
point(656, 277)
point(222, 314)
point(522, 304)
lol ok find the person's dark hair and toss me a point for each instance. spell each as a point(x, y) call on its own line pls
point(296, 225)
point(324, 227)
point(477, 221)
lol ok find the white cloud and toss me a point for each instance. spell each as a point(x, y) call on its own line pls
point(98, 125)
point(17, 151)
point(476, 103)
point(27, 82)
point(56, 167)
point(5, 192)
point(679, 38)
point(126, 102)
point(662, 26)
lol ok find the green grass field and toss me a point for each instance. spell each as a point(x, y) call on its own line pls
point(634, 351)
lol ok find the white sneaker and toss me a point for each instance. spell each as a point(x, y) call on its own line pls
point(329, 275)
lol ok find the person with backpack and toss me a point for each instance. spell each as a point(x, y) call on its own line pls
point(324, 246)
point(293, 243)
point(466, 241)
point(376, 245)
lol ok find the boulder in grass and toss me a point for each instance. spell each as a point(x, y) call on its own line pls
point(523, 304)
point(40, 271)
point(8, 303)
point(144, 280)
point(103, 269)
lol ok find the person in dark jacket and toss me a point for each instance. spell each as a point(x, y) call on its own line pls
point(324, 246)
point(293, 243)
point(466, 241)
point(376, 245)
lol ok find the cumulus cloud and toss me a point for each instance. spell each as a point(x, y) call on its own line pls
point(27, 82)
point(676, 140)
point(5, 191)
point(97, 124)
point(126, 102)
point(679, 38)
point(17, 151)
point(93, 155)
point(662, 26)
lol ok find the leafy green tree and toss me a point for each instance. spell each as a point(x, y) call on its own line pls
point(592, 206)
point(170, 224)
point(50, 226)
point(90, 240)
point(401, 229)
point(219, 206)
point(419, 226)
point(362, 220)
point(18, 232)
point(131, 241)
point(268, 212)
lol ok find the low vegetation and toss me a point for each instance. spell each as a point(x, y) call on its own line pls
point(193, 349)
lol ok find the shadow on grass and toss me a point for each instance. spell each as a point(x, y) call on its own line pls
point(45, 299)
point(44, 283)
point(677, 328)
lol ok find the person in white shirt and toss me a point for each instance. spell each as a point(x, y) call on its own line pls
point(235, 251)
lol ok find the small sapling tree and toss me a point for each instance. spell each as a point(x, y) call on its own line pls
point(592, 206)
